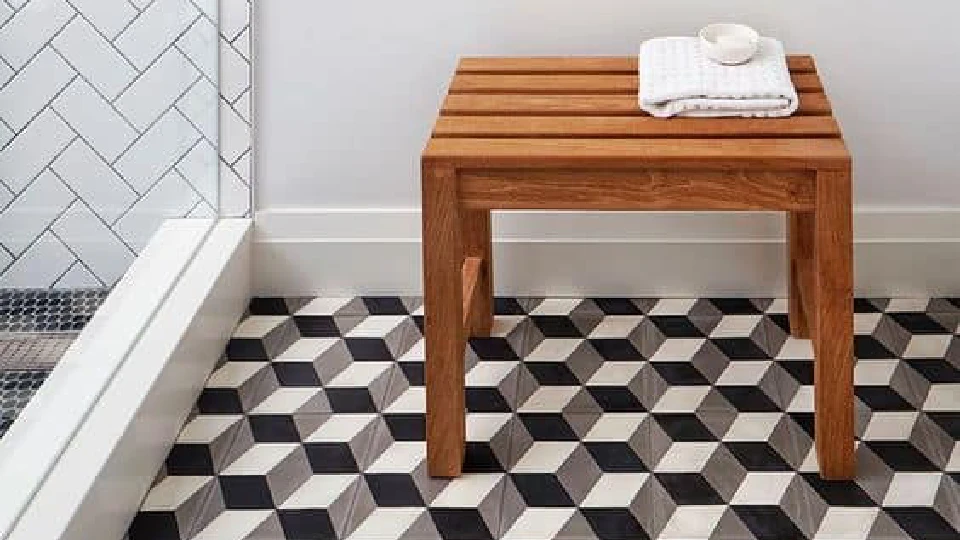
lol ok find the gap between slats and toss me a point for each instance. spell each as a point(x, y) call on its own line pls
point(583, 64)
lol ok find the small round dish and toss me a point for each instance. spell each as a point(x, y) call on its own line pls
point(729, 44)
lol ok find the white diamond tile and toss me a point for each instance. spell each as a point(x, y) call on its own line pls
point(158, 150)
point(27, 32)
point(95, 58)
point(154, 30)
point(242, 106)
point(170, 197)
point(109, 16)
point(157, 89)
point(94, 243)
point(234, 134)
point(40, 265)
point(199, 167)
point(78, 277)
point(242, 44)
point(33, 88)
point(96, 183)
point(94, 119)
point(234, 72)
point(234, 17)
point(199, 44)
point(199, 105)
point(30, 151)
point(233, 524)
point(31, 212)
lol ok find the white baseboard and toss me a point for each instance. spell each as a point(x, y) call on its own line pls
point(899, 252)
point(95, 488)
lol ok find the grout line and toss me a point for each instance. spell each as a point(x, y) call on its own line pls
point(92, 211)
point(40, 50)
point(47, 105)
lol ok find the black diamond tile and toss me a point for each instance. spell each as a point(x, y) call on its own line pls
point(614, 524)
point(757, 456)
point(296, 374)
point(862, 305)
point(768, 523)
point(689, 488)
point(868, 348)
point(542, 490)
point(460, 524)
point(556, 326)
point(838, 492)
point(394, 490)
point(479, 458)
point(616, 350)
point(748, 399)
point(676, 326)
point(493, 348)
point(219, 401)
point(190, 460)
point(882, 398)
point(269, 306)
point(507, 306)
point(246, 492)
point(316, 326)
point(918, 323)
point(273, 428)
point(406, 427)
point(384, 305)
point(680, 373)
point(154, 526)
point(368, 349)
point(805, 421)
point(901, 456)
point(306, 524)
point(781, 320)
point(548, 427)
point(330, 458)
point(684, 427)
point(485, 400)
point(552, 374)
point(936, 371)
point(948, 422)
point(615, 399)
point(735, 306)
point(413, 371)
point(740, 348)
point(800, 370)
point(617, 306)
point(350, 400)
point(418, 320)
point(246, 349)
point(615, 457)
point(922, 523)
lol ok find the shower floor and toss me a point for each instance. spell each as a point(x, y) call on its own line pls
point(587, 418)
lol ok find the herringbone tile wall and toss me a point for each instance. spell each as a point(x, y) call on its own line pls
point(115, 115)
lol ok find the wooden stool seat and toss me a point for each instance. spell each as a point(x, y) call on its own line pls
point(566, 133)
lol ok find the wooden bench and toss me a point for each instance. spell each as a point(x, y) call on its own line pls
point(566, 133)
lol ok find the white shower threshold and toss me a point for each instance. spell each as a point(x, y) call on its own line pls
point(81, 456)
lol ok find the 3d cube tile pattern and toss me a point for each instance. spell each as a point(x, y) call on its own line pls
point(603, 418)
point(115, 115)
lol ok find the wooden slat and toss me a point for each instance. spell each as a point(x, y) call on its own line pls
point(582, 64)
point(584, 83)
point(635, 126)
point(471, 279)
point(627, 190)
point(811, 104)
point(660, 153)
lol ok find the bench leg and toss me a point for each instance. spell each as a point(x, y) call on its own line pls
point(800, 260)
point(833, 337)
point(443, 324)
point(477, 243)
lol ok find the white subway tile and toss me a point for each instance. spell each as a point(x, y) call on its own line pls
point(171, 197)
point(157, 89)
point(158, 150)
point(33, 211)
point(33, 149)
point(95, 58)
point(234, 17)
point(34, 87)
point(234, 134)
point(94, 119)
point(234, 72)
point(199, 167)
point(5, 73)
point(200, 105)
point(40, 266)
point(234, 194)
point(77, 277)
point(27, 32)
point(109, 16)
point(94, 181)
point(199, 44)
point(95, 244)
point(154, 30)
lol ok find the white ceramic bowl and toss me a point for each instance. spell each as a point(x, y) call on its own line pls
point(729, 44)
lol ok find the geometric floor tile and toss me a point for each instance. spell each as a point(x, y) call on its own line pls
point(586, 419)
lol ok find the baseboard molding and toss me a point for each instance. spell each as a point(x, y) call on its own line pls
point(902, 252)
point(96, 486)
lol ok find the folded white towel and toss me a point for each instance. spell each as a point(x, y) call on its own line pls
point(677, 79)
